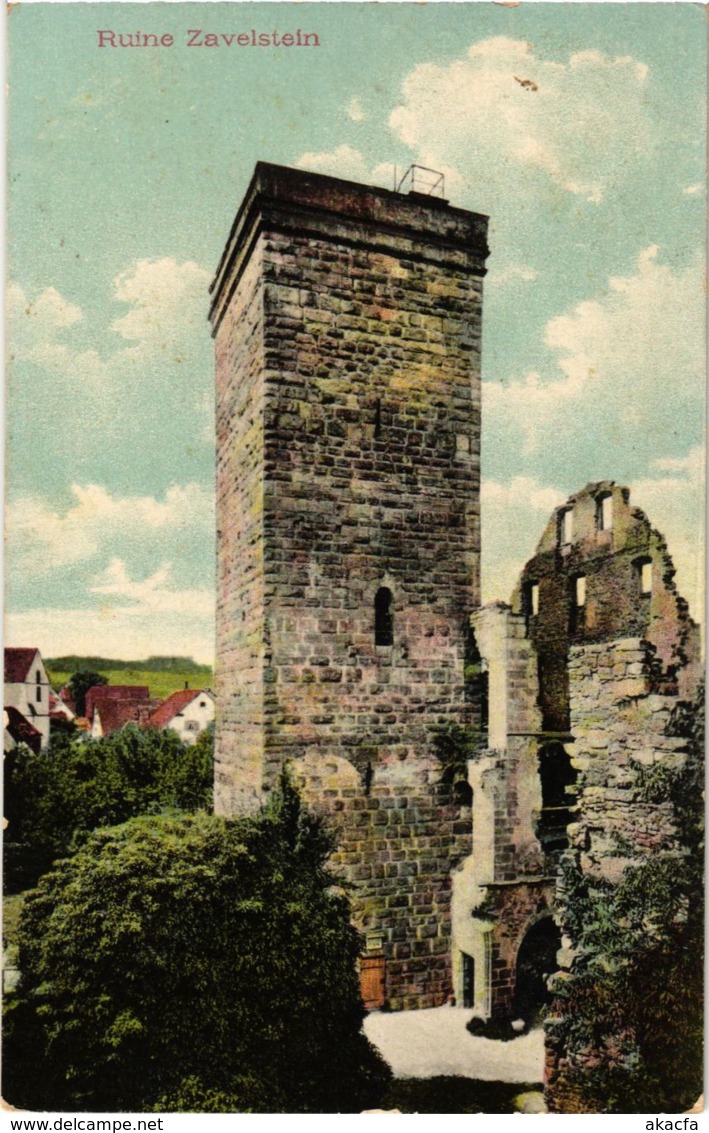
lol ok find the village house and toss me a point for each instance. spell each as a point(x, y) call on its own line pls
point(188, 712)
point(27, 691)
point(111, 707)
point(60, 710)
point(18, 730)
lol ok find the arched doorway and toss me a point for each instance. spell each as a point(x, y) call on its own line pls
point(536, 961)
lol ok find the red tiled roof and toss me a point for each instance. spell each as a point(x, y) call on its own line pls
point(114, 714)
point(17, 664)
point(172, 706)
point(67, 698)
point(21, 730)
point(58, 708)
point(113, 692)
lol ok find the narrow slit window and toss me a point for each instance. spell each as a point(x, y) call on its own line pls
point(577, 612)
point(378, 417)
point(604, 514)
point(531, 600)
point(534, 599)
point(644, 569)
point(383, 618)
point(566, 526)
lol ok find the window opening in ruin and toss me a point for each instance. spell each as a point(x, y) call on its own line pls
point(463, 792)
point(476, 684)
point(536, 962)
point(604, 512)
point(577, 618)
point(383, 617)
point(484, 700)
point(367, 778)
point(468, 981)
point(643, 568)
point(566, 526)
point(557, 779)
point(531, 599)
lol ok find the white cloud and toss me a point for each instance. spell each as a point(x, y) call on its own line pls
point(168, 302)
point(355, 111)
point(157, 594)
point(49, 311)
point(630, 365)
point(36, 332)
point(674, 503)
point(41, 538)
point(343, 161)
point(131, 635)
point(164, 325)
point(505, 275)
point(504, 108)
point(513, 518)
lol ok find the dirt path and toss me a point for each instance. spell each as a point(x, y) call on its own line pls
point(424, 1044)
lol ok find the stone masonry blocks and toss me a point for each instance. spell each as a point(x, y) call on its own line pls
point(347, 325)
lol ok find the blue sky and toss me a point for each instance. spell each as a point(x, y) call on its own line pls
point(126, 168)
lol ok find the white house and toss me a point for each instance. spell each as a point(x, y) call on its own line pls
point(27, 689)
point(187, 712)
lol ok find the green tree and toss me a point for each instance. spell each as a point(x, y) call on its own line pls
point(627, 1019)
point(55, 799)
point(192, 963)
point(80, 684)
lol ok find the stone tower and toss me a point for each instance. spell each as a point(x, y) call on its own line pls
point(347, 322)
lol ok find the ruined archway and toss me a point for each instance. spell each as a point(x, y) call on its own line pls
point(536, 961)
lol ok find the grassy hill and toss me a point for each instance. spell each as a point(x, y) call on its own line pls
point(73, 662)
point(162, 675)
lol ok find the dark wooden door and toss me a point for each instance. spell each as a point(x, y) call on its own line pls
point(372, 981)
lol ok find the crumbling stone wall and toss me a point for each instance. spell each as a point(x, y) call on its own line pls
point(609, 558)
point(619, 721)
point(508, 883)
point(621, 716)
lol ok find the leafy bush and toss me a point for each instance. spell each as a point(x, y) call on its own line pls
point(192, 963)
point(55, 799)
point(626, 1021)
point(80, 684)
point(454, 745)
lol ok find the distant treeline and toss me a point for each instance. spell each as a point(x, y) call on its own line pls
point(74, 664)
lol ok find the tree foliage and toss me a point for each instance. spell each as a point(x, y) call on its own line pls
point(55, 799)
point(187, 962)
point(454, 745)
point(80, 684)
point(627, 1018)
